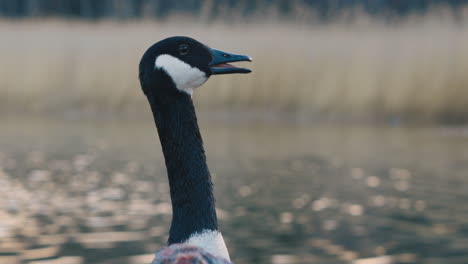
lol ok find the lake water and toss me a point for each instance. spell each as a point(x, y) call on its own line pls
point(96, 191)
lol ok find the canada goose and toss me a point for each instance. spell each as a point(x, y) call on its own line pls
point(169, 72)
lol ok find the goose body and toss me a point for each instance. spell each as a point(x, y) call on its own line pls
point(169, 71)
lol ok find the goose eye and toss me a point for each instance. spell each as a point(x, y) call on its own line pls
point(183, 49)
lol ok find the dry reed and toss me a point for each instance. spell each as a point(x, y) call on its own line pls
point(364, 69)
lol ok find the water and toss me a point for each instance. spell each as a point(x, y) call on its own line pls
point(96, 191)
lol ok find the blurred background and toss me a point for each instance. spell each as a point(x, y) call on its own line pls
point(347, 144)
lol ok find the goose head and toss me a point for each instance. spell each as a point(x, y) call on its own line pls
point(181, 64)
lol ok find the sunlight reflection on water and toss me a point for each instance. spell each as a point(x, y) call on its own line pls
point(96, 192)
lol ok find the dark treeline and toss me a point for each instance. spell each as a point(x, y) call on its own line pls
point(126, 9)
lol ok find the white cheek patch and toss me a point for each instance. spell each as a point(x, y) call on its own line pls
point(185, 77)
point(211, 241)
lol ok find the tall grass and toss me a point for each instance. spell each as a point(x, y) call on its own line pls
point(364, 69)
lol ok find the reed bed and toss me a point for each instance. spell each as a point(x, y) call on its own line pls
point(364, 69)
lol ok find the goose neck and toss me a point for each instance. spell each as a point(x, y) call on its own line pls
point(190, 183)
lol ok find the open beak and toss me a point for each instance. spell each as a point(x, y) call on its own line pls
point(220, 62)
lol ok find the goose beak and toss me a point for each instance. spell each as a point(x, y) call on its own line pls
point(220, 62)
